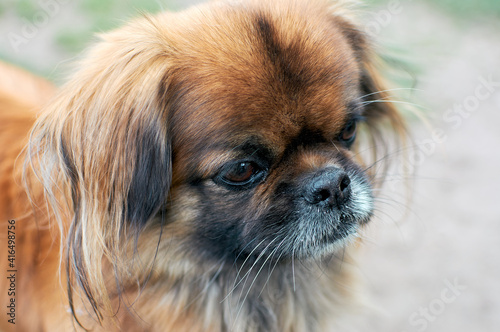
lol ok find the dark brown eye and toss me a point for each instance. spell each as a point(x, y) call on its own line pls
point(240, 175)
point(240, 172)
point(349, 133)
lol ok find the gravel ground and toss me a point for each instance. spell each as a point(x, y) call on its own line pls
point(432, 265)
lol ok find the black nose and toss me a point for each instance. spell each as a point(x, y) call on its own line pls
point(330, 187)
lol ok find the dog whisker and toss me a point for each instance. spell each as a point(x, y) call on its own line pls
point(293, 270)
point(274, 266)
point(395, 102)
point(389, 90)
point(247, 275)
point(255, 278)
point(240, 304)
point(236, 282)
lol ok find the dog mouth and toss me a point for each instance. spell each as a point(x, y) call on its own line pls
point(325, 233)
point(315, 241)
point(328, 224)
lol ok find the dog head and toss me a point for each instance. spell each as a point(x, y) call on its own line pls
point(230, 128)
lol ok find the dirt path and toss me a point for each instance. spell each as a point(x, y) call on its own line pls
point(438, 270)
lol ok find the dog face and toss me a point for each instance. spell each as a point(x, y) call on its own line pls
point(261, 139)
point(222, 133)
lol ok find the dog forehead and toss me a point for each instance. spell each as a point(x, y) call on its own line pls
point(264, 73)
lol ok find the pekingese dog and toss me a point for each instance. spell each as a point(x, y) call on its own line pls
point(198, 173)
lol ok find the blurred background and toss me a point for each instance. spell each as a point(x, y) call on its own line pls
point(429, 265)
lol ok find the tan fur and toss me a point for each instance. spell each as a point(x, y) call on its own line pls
point(84, 154)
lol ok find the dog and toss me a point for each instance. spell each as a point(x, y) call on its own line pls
point(201, 171)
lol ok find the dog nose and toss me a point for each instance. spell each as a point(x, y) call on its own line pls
point(330, 187)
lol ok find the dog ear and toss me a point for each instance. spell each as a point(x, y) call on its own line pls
point(385, 126)
point(374, 90)
point(102, 152)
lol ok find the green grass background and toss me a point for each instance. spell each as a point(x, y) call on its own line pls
point(104, 15)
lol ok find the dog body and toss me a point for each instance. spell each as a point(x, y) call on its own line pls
point(35, 287)
point(196, 174)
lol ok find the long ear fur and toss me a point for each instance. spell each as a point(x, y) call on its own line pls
point(381, 114)
point(385, 126)
point(102, 153)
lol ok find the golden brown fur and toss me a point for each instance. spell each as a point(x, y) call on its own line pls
point(107, 240)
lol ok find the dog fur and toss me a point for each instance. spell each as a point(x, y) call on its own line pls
point(119, 225)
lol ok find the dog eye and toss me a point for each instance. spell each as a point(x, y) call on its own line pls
point(348, 135)
point(240, 174)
